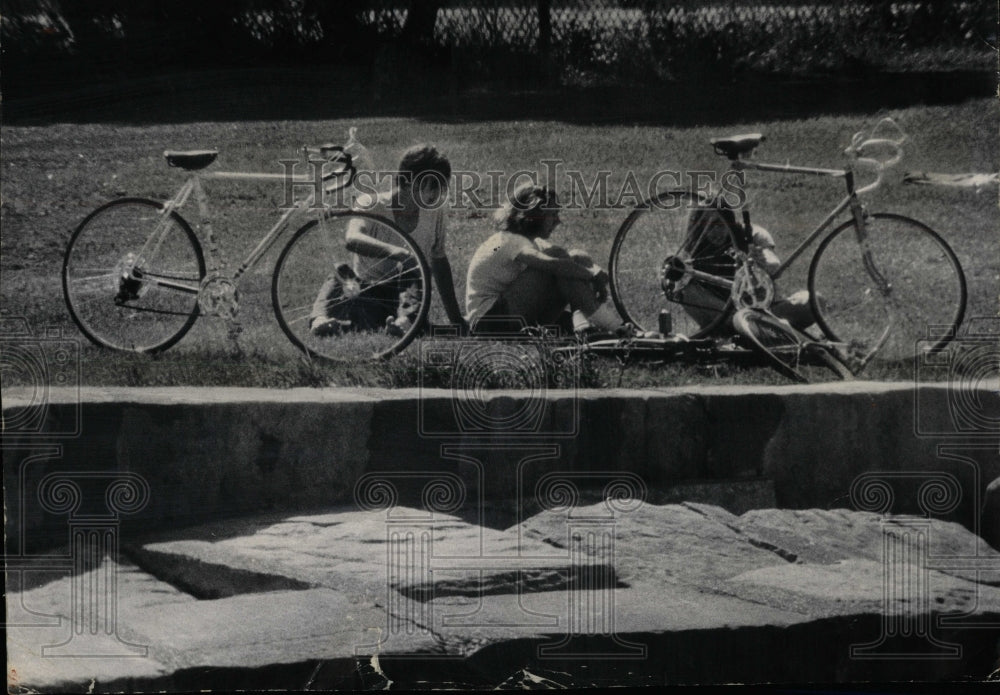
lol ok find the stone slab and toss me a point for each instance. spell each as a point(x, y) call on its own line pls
point(659, 587)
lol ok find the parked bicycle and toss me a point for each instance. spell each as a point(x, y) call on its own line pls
point(876, 283)
point(135, 277)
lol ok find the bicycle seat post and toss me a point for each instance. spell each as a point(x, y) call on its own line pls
point(218, 263)
point(744, 232)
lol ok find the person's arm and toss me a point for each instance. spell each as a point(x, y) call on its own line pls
point(564, 267)
point(441, 269)
point(769, 260)
point(765, 254)
point(357, 241)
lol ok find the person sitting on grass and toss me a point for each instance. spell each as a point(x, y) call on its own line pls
point(708, 231)
point(414, 204)
point(518, 277)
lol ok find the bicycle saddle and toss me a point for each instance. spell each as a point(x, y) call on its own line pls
point(735, 145)
point(190, 159)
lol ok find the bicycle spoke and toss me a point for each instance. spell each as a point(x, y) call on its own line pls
point(907, 275)
point(311, 291)
point(650, 237)
point(787, 350)
point(98, 283)
point(296, 314)
point(101, 268)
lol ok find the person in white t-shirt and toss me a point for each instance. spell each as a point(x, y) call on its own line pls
point(414, 204)
point(517, 277)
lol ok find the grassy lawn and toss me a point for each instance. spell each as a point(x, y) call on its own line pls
point(54, 175)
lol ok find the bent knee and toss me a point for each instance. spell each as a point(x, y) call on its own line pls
point(581, 257)
point(555, 251)
point(800, 298)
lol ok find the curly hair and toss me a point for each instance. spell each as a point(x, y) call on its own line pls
point(524, 213)
point(423, 160)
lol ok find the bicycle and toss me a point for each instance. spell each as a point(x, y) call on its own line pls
point(761, 339)
point(791, 352)
point(135, 279)
point(876, 282)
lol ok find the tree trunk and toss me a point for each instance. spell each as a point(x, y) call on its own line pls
point(419, 27)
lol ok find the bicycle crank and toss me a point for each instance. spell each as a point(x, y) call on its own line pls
point(753, 288)
point(218, 296)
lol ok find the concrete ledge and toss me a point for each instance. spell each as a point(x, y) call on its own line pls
point(212, 452)
point(647, 595)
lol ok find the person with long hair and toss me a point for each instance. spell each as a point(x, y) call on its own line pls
point(518, 277)
point(415, 205)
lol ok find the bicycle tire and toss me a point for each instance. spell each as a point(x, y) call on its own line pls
point(787, 350)
point(655, 231)
point(926, 302)
point(307, 262)
point(129, 314)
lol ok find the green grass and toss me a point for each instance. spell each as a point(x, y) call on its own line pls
point(54, 175)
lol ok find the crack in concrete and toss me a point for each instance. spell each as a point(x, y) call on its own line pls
point(439, 639)
point(518, 582)
point(207, 581)
point(786, 555)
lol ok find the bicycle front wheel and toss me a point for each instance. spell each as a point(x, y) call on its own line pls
point(338, 305)
point(788, 351)
point(655, 247)
point(131, 276)
point(897, 290)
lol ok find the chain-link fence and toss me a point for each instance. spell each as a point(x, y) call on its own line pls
point(557, 40)
point(673, 39)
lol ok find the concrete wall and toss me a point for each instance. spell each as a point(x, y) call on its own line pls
point(210, 452)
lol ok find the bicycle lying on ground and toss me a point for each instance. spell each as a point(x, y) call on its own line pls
point(134, 274)
point(876, 283)
point(759, 338)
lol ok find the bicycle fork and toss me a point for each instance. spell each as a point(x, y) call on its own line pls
point(860, 216)
point(884, 286)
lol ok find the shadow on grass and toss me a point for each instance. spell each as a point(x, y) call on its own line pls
point(516, 366)
point(321, 93)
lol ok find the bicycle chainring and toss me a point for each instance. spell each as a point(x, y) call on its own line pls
point(218, 296)
point(753, 288)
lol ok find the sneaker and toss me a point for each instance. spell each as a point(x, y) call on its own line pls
point(397, 327)
point(326, 328)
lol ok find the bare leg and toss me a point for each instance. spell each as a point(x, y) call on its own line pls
point(542, 298)
point(795, 309)
point(701, 304)
point(328, 293)
point(579, 294)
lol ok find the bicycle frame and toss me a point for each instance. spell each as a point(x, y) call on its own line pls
point(193, 186)
point(850, 201)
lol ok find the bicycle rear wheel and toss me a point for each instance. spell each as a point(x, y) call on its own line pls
point(122, 296)
point(319, 284)
point(788, 351)
point(902, 276)
point(656, 243)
